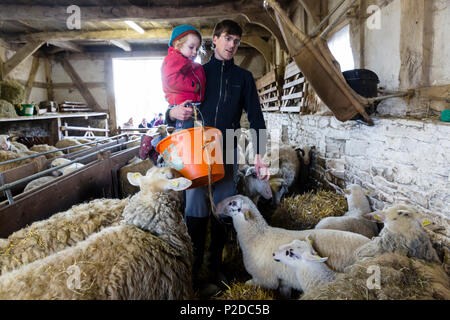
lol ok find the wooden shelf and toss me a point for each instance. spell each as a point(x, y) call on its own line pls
point(55, 115)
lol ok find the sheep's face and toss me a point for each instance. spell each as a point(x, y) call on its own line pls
point(159, 179)
point(235, 207)
point(397, 218)
point(59, 162)
point(5, 143)
point(256, 185)
point(296, 252)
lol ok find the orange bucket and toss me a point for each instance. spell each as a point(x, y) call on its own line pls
point(188, 152)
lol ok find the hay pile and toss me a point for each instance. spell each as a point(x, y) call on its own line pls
point(7, 110)
point(401, 278)
point(305, 211)
point(241, 291)
point(12, 91)
point(45, 148)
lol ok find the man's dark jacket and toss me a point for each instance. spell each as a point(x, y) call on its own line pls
point(229, 90)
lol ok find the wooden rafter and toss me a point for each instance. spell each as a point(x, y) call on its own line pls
point(122, 44)
point(262, 46)
point(88, 97)
point(66, 45)
point(31, 77)
point(153, 13)
point(20, 55)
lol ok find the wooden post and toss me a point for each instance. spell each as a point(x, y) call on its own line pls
point(48, 79)
point(20, 55)
point(31, 77)
point(110, 97)
point(88, 97)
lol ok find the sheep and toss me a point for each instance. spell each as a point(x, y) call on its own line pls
point(5, 142)
point(389, 276)
point(147, 256)
point(252, 187)
point(353, 220)
point(62, 230)
point(258, 241)
point(403, 234)
point(69, 142)
point(284, 167)
point(9, 155)
point(310, 268)
point(38, 182)
point(45, 148)
point(65, 170)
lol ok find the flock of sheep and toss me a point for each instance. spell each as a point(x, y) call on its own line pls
point(139, 248)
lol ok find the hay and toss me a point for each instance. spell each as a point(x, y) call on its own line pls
point(305, 211)
point(401, 278)
point(7, 110)
point(45, 148)
point(12, 91)
point(241, 291)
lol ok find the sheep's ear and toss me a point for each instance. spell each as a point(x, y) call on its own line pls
point(430, 225)
point(313, 258)
point(134, 178)
point(178, 184)
point(309, 239)
point(377, 216)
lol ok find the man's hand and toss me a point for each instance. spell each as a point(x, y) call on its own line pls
point(180, 112)
point(261, 167)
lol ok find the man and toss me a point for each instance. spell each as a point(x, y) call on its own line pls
point(144, 124)
point(152, 122)
point(229, 90)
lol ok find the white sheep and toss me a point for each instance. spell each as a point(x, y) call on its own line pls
point(310, 268)
point(148, 256)
point(60, 231)
point(38, 182)
point(5, 142)
point(403, 233)
point(65, 170)
point(258, 241)
point(69, 142)
point(353, 220)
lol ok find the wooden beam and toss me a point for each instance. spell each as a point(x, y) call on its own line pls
point(246, 61)
point(31, 77)
point(134, 13)
point(23, 53)
point(88, 97)
point(122, 44)
point(264, 20)
point(310, 12)
point(48, 79)
point(110, 97)
point(259, 44)
point(66, 45)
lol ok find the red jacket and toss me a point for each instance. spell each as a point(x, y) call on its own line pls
point(179, 78)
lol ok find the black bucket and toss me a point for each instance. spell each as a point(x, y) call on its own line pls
point(363, 81)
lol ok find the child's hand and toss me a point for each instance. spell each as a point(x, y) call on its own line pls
point(180, 112)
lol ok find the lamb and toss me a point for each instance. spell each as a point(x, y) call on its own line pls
point(403, 234)
point(258, 241)
point(147, 256)
point(353, 220)
point(65, 170)
point(10, 155)
point(5, 142)
point(38, 182)
point(69, 142)
point(252, 187)
point(45, 148)
point(310, 268)
point(60, 231)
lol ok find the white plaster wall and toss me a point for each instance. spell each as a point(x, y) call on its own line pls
point(397, 160)
point(382, 47)
point(440, 66)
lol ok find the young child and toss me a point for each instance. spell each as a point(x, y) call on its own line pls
point(182, 78)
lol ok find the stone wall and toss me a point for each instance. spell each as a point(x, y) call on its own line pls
point(397, 160)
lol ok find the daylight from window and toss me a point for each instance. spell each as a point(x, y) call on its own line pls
point(138, 90)
point(341, 49)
